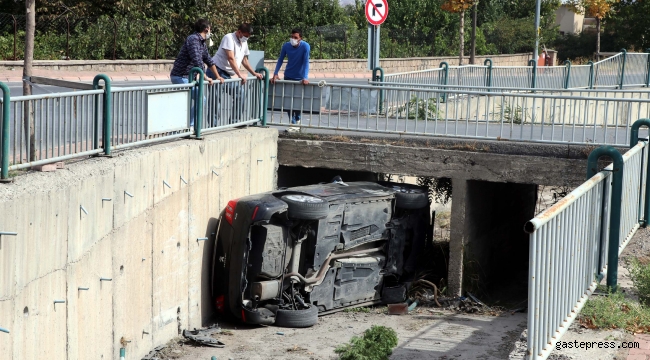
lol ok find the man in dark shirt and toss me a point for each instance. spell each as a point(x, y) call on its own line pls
point(193, 54)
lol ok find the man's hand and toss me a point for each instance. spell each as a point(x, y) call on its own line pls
point(305, 82)
point(274, 78)
point(243, 79)
point(258, 76)
point(221, 80)
point(209, 79)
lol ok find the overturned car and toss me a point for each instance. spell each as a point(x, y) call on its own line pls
point(284, 257)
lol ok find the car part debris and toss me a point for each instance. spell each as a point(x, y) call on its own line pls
point(152, 355)
point(204, 336)
point(398, 309)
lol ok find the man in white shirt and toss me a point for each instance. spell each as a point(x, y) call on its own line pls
point(232, 53)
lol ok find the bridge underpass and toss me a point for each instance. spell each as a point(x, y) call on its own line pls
point(495, 190)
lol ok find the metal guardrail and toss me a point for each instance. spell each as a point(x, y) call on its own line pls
point(577, 242)
point(619, 71)
point(91, 122)
point(520, 116)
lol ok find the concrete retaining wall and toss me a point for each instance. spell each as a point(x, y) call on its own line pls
point(315, 66)
point(147, 244)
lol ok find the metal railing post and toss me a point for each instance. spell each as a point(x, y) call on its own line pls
point(379, 78)
point(568, 73)
point(488, 78)
point(624, 55)
point(445, 75)
point(615, 214)
point(533, 82)
point(265, 93)
point(591, 74)
point(198, 102)
point(634, 139)
point(107, 121)
point(647, 79)
point(4, 151)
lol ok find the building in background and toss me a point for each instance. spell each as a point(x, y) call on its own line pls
point(569, 21)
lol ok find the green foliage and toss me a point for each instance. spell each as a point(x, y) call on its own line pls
point(419, 109)
point(515, 115)
point(377, 343)
point(614, 311)
point(364, 310)
point(640, 275)
point(440, 190)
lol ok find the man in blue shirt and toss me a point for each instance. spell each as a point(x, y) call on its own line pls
point(297, 66)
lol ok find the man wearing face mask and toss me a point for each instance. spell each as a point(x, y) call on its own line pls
point(297, 66)
point(232, 53)
point(193, 54)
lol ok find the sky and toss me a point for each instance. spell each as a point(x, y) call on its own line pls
point(346, 2)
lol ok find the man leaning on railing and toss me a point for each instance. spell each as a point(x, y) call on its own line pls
point(193, 53)
point(232, 54)
point(297, 66)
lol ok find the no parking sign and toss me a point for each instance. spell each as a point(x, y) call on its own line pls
point(376, 11)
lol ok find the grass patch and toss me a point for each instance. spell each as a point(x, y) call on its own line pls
point(365, 310)
point(377, 343)
point(640, 275)
point(614, 311)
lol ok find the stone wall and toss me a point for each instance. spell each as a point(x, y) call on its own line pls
point(80, 224)
point(316, 66)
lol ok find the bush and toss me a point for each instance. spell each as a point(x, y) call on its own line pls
point(614, 311)
point(640, 275)
point(377, 343)
point(419, 109)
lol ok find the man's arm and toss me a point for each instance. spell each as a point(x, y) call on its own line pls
point(233, 65)
point(248, 67)
point(283, 54)
point(305, 67)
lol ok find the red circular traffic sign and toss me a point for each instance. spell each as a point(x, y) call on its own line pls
point(376, 11)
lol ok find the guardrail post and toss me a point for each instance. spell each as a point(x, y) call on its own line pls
point(568, 73)
point(445, 76)
point(4, 139)
point(198, 102)
point(615, 213)
point(488, 78)
point(635, 140)
point(379, 78)
point(623, 68)
point(647, 79)
point(591, 74)
point(533, 63)
point(107, 121)
point(265, 93)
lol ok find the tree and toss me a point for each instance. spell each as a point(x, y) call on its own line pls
point(459, 6)
point(28, 118)
point(598, 9)
point(630, 23)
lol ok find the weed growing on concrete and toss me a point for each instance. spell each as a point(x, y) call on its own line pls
point(419, 109)
point(365, 310)
point(614, 311)
point(640, 275)
point(377, 343)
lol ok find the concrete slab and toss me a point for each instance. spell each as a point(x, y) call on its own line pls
point(39, 324)
point(8, 246)
point(132, 284)
point(169, 165)
point(89, 217)
point(90, 312)
point(133, 176)
point(170, 267)
point(42, 226)
point(7, 322)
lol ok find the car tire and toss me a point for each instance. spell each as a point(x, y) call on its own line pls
point(297, 318)
point(409, 197)
point(306, 207)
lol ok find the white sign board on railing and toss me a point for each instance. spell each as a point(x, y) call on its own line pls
point(168, 111)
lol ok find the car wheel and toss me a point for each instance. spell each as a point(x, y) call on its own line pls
point(306, 207)
point(407, 196)
point(297, 318)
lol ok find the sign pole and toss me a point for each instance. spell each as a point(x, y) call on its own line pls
point(373, 46)
point(376, 13)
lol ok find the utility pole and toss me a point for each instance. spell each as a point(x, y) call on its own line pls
point(472, 54)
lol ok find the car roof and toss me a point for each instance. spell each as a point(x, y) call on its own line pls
point(335, 191)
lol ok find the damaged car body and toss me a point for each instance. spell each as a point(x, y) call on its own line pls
point(284, 257)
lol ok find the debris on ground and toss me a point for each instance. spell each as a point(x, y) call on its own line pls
point(205, 336)
point(153, 354)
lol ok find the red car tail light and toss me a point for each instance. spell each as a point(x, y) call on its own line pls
point(219, 302)
point(230, 211)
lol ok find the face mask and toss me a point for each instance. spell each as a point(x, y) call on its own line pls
point(294, 42)
point(243, 39)
point(208, 35)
